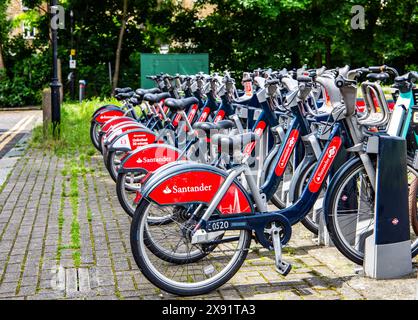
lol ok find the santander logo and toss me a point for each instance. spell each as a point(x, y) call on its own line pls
point(259, 131)
point(176, 189)
point(286, 154)
point(152, 160)
point(104, 117)
point(331, 152)
point(167, 190)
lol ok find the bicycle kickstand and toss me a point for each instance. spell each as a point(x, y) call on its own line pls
point(282, 266)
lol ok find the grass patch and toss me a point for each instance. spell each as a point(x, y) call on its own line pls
point(61, 220)
point(289, 250)
point(89, 215)
point(74, 130)
point(75, 147)
point(73, 170)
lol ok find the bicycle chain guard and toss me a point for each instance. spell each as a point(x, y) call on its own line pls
point(263, 233)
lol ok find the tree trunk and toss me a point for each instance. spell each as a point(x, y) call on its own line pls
point(318, 59)
point(119, 48)
point(328, 52)
point(2, 66)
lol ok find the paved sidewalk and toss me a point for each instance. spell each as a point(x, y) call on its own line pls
point(15, 124)
point(63, 235)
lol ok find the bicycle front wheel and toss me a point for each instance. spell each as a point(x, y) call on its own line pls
point(349, 210)
point(413, 199)
point(203, 267)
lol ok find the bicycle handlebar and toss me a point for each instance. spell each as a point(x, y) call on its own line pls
point(340, 82)
point(304, 79)
point(383, 68)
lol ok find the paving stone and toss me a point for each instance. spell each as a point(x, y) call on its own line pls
point(84, 280)
point(29, 236)
point(27, 290)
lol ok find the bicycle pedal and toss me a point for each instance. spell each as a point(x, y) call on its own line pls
point(283, 268)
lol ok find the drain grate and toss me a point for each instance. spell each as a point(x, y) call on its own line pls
point(77, 280)
point(73, 280)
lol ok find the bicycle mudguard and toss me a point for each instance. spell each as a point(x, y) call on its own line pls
point(113, 124)
point(119, 129)
point(191, 182)
point(105, 107)
point(107, 114)
point(132, 139)
point(149, 158)
point(109, 125)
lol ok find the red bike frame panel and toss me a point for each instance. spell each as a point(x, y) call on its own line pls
point(204, 115)
point(121, 130)
point(192, 112)
point(113, 122)
point(134, 140)
point(288, 149)
point(200, 186)
point(325, 164)
point(259, 129)
point(219, 116)
point(150, 159)
point(105, 116)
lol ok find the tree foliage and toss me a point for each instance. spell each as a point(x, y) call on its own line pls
point(243, 34)
point(238, 35)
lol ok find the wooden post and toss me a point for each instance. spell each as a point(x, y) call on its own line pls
point(60, 80)
point(46, 108)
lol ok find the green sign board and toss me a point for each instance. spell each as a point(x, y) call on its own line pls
point(152, 64)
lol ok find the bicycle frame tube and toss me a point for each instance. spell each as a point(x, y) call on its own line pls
point(407, 99)
point(298, 128)
point(294, 213)
point(281, 159)
point(221, 112)
point(266, 119)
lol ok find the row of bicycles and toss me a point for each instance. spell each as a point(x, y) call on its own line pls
point(204, 168)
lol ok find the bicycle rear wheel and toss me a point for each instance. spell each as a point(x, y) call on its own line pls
point(94, 134)
point(128, 188)
point(113, 161)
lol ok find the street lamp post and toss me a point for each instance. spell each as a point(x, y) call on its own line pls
point(55, 84)
point(72, 84)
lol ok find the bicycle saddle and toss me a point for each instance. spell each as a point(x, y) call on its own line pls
point(180, 104)
point(378, 76)
point(207, 126)
point(143, 92)
point(153, 98)
point(123, 90)
point(123, 96)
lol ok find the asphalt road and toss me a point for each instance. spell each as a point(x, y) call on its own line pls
point(14, 125)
